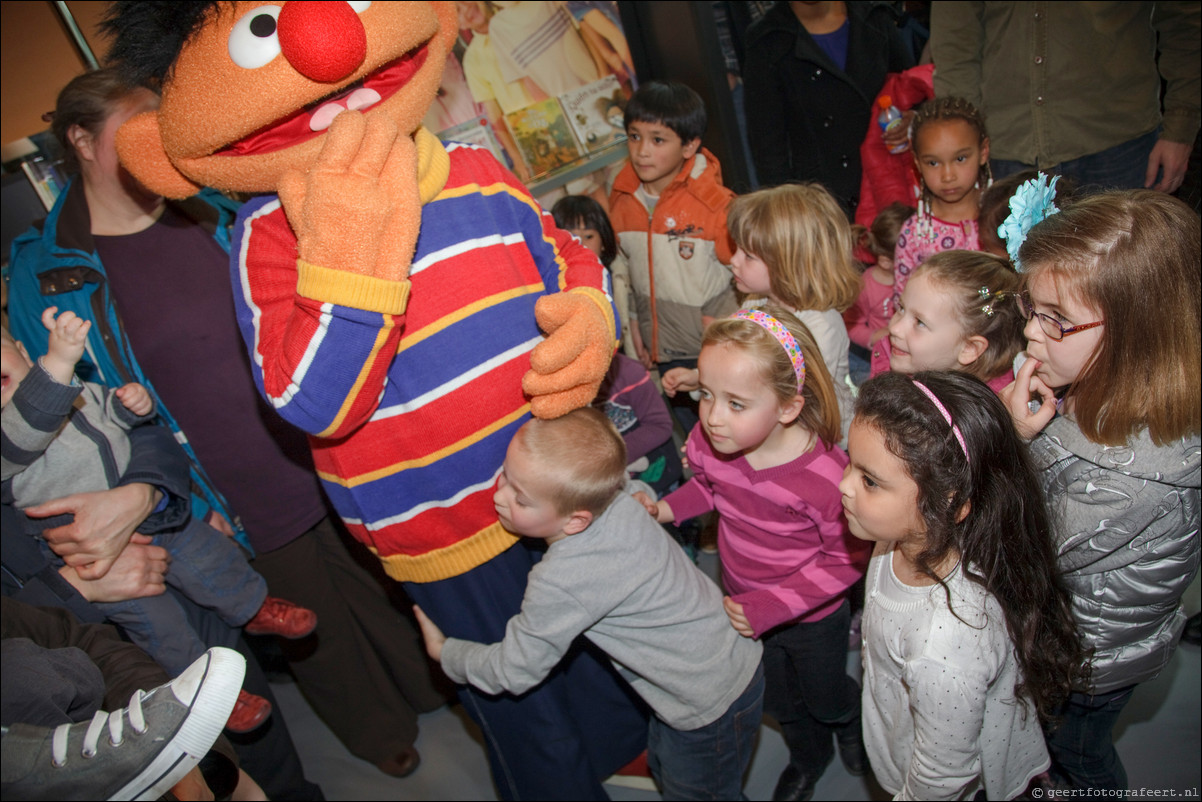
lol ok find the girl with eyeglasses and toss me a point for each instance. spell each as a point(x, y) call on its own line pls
point(1112, 298)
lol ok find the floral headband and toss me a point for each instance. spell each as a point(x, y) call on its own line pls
point(1033, 202)
point(782, 335)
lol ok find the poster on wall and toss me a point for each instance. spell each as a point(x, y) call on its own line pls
point(515, 56)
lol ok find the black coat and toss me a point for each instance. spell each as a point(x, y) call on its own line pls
point(806, 117)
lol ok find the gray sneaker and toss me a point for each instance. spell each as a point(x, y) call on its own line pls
point(146, 749)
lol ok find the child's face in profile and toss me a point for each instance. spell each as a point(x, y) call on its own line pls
point(925, 332)
point(657, 154)
point(879, 497)
point(1063, 360)
point(750, 272)
point(14, 367)
point(523, 503)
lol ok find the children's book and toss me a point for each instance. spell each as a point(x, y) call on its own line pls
point(475, 131)
point(595, 112)
point(544, 136)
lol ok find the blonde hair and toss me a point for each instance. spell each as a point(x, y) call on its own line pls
point(820, 413)
point(801, 234)
point(1134, 256)
point(984, 288)
point(583, 457)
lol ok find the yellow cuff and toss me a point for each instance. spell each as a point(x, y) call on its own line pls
point(453, 560)
point(352, 290)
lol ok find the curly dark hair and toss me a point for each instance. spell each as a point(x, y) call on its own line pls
point(148, 36)
point(1005, 541)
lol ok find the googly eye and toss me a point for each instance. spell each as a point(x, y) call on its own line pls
point(253, 41)
point(360, 6)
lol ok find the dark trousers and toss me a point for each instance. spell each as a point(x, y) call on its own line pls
point(206, 567)
point(1120, 167)
point(364, 670)
point(561, 739)
point(48, 687)
point(1082, 746)
point(266, 753)
point(808, 689)
point(708, 762)
point(682, 405)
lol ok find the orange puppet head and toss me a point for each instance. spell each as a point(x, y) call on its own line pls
point(250, 88)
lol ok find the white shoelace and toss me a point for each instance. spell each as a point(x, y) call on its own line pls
point(116, 728)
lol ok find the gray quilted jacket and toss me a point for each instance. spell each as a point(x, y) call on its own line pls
point(1126, 523)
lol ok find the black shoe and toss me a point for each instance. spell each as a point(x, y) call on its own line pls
point(793, 786)
point(1192, 633)
point(851, 748)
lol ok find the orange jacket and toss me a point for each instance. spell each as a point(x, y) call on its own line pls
point(678, 255)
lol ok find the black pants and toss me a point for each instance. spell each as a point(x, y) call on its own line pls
point(364, 670)
point(808, 689)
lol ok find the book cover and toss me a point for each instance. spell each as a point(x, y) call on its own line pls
point(544, 136)
point(475, 131)
point(595, 112)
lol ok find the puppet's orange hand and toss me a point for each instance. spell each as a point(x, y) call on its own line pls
point(566, 368)
point(357, 208)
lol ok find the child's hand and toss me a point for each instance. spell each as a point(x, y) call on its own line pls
point(136, 399)
point(877, 335)
point(734, 611)
point(680, 380)
point(1017, 398)
point(431, 633)
point(68, 334)
point(649, 504)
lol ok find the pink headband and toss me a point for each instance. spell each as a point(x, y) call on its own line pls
point(782, 335)
point(947, 416)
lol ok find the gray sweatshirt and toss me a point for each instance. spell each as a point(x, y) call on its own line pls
point(61, 439)
point(632, 591)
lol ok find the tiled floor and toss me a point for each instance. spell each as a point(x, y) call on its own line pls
point(1158, 738)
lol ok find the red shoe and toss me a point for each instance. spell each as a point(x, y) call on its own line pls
point(250, 711)
point(283, 618)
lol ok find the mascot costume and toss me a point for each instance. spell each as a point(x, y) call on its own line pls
point(405, 302)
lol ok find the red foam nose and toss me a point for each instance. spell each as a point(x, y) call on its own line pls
point(323, 41)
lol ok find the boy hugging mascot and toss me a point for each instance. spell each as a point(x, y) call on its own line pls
point(405, 302)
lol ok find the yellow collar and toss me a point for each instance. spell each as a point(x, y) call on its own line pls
point(433, 165)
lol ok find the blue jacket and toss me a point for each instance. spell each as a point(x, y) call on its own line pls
point(56, 264)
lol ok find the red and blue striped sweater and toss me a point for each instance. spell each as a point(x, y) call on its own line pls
point(411, 407)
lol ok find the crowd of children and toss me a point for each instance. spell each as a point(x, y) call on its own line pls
point(1023, 512)
point(1034, 510)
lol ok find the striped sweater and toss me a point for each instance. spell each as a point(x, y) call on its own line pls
point(411, 408)
point(787, 554)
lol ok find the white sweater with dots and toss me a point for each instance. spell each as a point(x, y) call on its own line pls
point(940, 716)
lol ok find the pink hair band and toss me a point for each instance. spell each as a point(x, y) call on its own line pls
point(947, 416)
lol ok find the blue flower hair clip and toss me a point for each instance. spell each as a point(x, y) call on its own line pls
point(1033, 202)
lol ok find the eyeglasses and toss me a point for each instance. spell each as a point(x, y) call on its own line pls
point(1050, 325)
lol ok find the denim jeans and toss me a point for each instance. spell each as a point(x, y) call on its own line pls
point(1082, 746)
point(206, 567)
point(708, 762)
point(1120, 167)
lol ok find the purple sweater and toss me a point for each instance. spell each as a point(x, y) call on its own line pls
point(787, 555)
